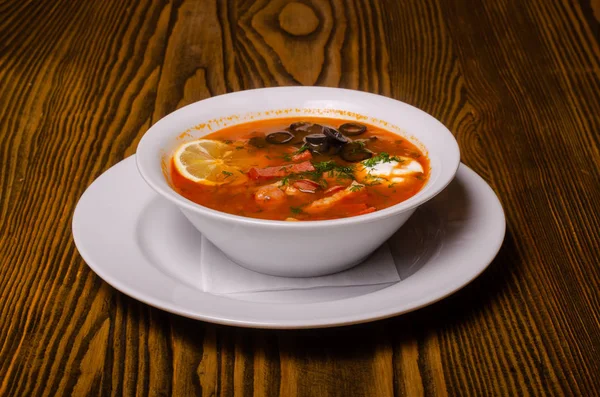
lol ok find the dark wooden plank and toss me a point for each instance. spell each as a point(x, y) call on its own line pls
point(536, 95)
point(78, 85)
point(518, 83)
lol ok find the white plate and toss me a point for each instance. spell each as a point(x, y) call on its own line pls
point(144, 247)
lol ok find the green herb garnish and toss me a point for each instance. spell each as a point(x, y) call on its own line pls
point(227, 174)
point(338, 172)
point(302, 148)
point(328, 168)
point(382, 157)
point(296, 210)
point(333, 169)
point(372, 180)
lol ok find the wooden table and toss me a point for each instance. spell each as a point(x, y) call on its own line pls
point(518, 83)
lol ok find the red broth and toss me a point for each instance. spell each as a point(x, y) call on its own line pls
point(347, 173)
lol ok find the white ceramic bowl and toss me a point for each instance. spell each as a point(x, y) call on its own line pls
point(297, 249)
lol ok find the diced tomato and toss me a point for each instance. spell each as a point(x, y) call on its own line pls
point(279, 171)
point(334, 189)
point(305, 155)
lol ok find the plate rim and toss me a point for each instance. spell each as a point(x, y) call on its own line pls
point(385, 311)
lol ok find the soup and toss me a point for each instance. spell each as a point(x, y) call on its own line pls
point(296, 169)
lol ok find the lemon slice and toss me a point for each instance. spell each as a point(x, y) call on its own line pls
point(208, 162)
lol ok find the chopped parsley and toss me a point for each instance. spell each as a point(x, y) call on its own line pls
point(333, 170)
point(372, 180)
point(302, 148)
point(382, 157)
point(287, 157)
point(296, 210)
point(356, 187)
point(228, 141)
point(227, 174)
point(324, 166)
point(375, 182)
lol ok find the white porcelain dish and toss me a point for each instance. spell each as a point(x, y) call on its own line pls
point(297, 249)
point(142, 245)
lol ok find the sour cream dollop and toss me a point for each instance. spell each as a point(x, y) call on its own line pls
point(391, 171)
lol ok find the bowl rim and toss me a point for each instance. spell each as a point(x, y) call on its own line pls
point(182, 202)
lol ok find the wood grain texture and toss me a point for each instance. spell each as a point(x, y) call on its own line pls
point(518, 83)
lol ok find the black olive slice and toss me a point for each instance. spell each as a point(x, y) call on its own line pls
point(352, 129)
point(317, 143)
point(280, 137)
point(335, 137)
point(258, 142)
point(315, 138)
point(316, 129)
point(304, 127)
point(354, 152)
point(300, 126)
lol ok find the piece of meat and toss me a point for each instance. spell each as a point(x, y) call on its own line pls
point(304, 156)
point(280, 171)
point(305, 166)
point(321, 205)
point(269, 196)
point(306, 186)
point(334, 189)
